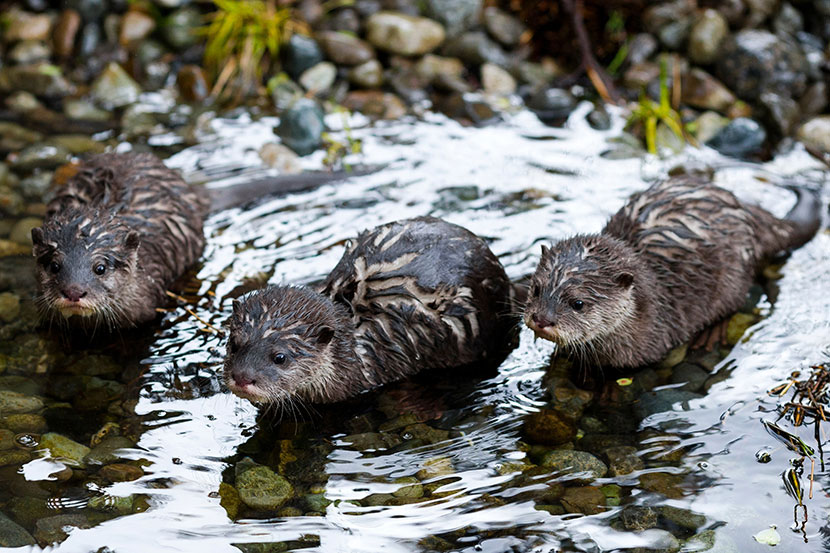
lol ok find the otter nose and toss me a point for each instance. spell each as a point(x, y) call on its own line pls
point(542, 321)
point(73, 293)
point(242, 380)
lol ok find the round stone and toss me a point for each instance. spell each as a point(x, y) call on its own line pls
point(403, 34)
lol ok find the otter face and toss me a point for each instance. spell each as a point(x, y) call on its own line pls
point(280, 345)
point(580, 292)
point(84, 269)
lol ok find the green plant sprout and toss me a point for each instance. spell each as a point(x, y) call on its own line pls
point(650, 113)
point(243, 38)
point(336, 150)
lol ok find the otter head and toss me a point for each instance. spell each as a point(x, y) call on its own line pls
point(287, 343)
point(84, 266)
point(582, 290)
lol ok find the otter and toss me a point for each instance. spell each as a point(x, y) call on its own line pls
point(676, 258)
point(122, 229)
point(409, 295)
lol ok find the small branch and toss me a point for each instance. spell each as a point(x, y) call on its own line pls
point(599, 78)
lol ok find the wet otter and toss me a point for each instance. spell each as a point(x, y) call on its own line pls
point(410, 295)
point(676, 258)
point(122, 229)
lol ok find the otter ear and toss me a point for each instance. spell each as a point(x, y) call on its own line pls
point(236, 305)
point(545, 250)
point(38, 239)
point(324, 335)
point(132, 240)
point(624, 280)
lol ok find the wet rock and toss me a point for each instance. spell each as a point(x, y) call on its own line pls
point(737, 327)
point(424, 433)
point(52, 529)
point(706, 36)
point(548, 427)
point(683, 518)
point(374, 103)
point(345, 49)
point(676, 355)
point(692, 376)
point(6, 439)
point(112, 504)
point(62, 448)
point(229, 499)
point(13, 403)
point(316, 502)
point(90, 10)
point(25, 422)
point(66, 29)
point(641, 48)
point(35, 185)
point(14, 457)
point(319, 78)
point(411, 488)
point(29, 51)
point(435, 467)
point(623, 460)
point(753, 62)
point(566, 398)
point(135, 26)
point(41, 156)
point(650, 403)
point(402, 34)
point(180, 27)
point(587, 500)
point(301, 53)
point(815, 133)
point(192, 83)
point(573, 462)
point(114, 88)
point(704, 541)
point(278, 156)
point(502, 26)
point(106, 451)
point(367, 75)
point(476, 48)
point(742, 137)
point(638, 518)
point(457, 16)
point(22, 25)
point(599, 119)
point(701, 90)
point(496, 80)
point(552, 105)
point(261, 488)
point(781, 111)
point(708, 125)
point(41, 79)
point(12, 534)
point(121, 472)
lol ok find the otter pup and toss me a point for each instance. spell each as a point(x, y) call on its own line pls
point(410, 295)
point(677, 257)
point(122, 229)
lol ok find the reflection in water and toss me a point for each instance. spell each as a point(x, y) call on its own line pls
point(445, 462)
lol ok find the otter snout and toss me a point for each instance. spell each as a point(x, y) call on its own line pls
point(73, 293)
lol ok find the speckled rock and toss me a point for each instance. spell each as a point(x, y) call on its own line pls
point(403, 34)
point(587, 500)
point(114, 88)
point(572, 462)
point(706, 36)
point(12, 534)
point(63, 448)
point(229, 499)
point(14, 403)
point(681, 517)
point(638, 518)
point(663, 483)
point(754, 61)
point(437, 466)
point(14, 457)
point(344, 49)
point(623, 460)
point(261, 488)
point(24, 422)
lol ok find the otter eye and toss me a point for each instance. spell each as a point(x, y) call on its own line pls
point(100, 269)
point(279, 358)
point(233, 346)
point(577, 305)
point(55, 267)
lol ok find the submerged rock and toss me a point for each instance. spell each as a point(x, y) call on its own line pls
point(261, 488)
point(12, 534)
point(650, 403)
point(587, 500)
point(572, 461)
point(14, 403)
point(63, 448)
point(549, 427)
point(52, 529)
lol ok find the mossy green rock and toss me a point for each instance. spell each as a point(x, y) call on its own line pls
point(262, 489)
point(105, 452)
point(316, 502)
point(413, 490)
point(12, 534)
point(6, 439)
point(14, 457)
point(13, 402)
point(570, 462)
point(737, 327)
point(229, 499)
point(24, 422)
point(63, 448)
point(112, 504)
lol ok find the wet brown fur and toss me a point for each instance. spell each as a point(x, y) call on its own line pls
point(406, 296)
point(676, 258)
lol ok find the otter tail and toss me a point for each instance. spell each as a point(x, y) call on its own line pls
point(237, 195)
point(804, 217)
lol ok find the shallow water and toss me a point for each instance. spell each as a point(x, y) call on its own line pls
point(520, 184)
